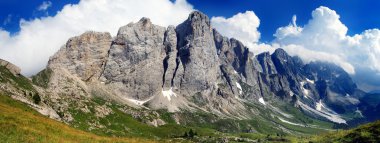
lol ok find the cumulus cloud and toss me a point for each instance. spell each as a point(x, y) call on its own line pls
point(309, 56)
point(291, 30)
point(44, 6)
point(325, 38)
point(242, 26)
point(40, 38)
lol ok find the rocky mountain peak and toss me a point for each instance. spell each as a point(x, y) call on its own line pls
point(197, 25)
point(198, 17)
point(197, 53)
point(280, 53)
point(193, 66)
point(83, 55)
point(145, 22)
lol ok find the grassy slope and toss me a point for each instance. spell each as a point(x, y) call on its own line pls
point(369, 133)
point(20, 123)
point(21, 82)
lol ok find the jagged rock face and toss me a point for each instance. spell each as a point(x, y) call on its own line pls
point(337, 79)
point(334, 85)
point(267, 65)
point(135, 63)
point(197, 53)
point(84, 55)
point(286, 64)
point(192, 65)
point(171, 61)
point(233, 57)
point(286, 76)
point(11, 67)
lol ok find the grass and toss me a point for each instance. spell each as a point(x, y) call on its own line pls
point(120, 124)
point(18, 81)
point(42, 78)
point(369, 133)
point(20, 123)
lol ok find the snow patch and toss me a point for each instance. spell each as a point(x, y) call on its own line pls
point(288, 122)
point(330, 116)
point(310, 81)
point(239, 87)
point(261, 100)
point(319, 105)
point(235, 72)
point(359, 112)
point(304, 90)
point(291, 93)
point(138, 102)
point(168, 93)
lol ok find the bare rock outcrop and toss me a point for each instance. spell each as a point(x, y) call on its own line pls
point(192, 66)
point(198, 55)
point(84, 55)
point(11, 67)
point(135, 63)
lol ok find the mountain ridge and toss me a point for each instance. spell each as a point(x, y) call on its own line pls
point(145, 60)
point(199, 77)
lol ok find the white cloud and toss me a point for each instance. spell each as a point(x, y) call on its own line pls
point(325, 38)
point(309, 56)
point(242, 26)
point(40, 38)
point(44, 6)
point(291, 30)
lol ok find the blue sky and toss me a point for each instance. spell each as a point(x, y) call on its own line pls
point(343, 32)
point(19, 9)
point(358, 15)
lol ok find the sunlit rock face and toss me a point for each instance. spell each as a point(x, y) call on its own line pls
point(192, 66)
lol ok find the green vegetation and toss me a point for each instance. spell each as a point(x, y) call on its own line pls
point(36, 98)
point(17, 81)
point(42, 78)
point(20, 123)
point(369, 133)
point(120, 124)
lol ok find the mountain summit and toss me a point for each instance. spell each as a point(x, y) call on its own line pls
point(147, 70)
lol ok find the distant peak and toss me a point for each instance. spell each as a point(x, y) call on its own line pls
point(280, 52)
point(198, 16)
point(145, 21)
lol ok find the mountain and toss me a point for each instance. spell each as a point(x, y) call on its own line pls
point(159, 82)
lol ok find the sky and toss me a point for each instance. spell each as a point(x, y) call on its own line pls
point(342, 32)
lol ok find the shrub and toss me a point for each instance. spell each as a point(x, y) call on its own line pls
point(36, 98)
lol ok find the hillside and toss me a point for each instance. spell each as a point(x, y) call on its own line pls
point(20, 123)
point(368, 133)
